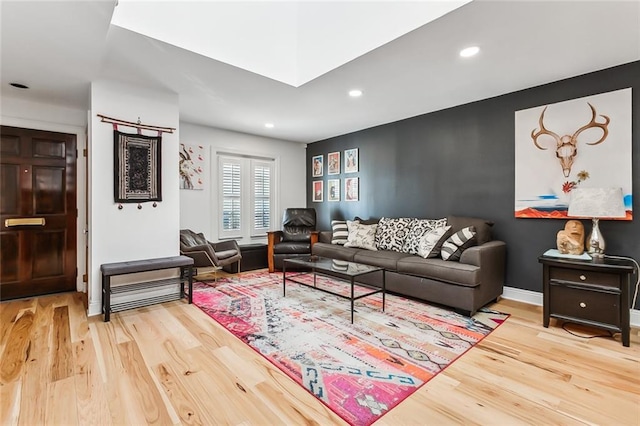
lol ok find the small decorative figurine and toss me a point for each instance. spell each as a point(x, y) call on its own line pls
point(570, 240)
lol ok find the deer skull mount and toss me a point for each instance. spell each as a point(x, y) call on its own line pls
point(567, 146)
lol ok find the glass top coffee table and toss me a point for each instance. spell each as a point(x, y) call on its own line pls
point(343, 269)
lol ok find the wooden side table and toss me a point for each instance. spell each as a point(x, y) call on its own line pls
point(589, 292)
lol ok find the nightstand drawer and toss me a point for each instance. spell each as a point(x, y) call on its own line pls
point(581, 303)
point(581, 276)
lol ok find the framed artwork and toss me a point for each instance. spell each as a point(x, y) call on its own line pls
point(137, 162)
point(317, 191)
point(351, 189)
point(333, 159)
point(584, 142)
point(191, 166)
point(317, 165)
point(351, 160)
point(333, 190)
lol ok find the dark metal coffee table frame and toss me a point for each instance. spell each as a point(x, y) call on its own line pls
point(322, 266)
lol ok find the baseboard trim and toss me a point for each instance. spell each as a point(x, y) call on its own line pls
point(535, 298)
point(95, 308)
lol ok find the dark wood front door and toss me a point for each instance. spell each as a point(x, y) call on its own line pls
point(38, 212)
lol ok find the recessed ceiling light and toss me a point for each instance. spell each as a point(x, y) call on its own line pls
point(269, 125)
point(469, 51)
point(355, 93)
point(19, 85)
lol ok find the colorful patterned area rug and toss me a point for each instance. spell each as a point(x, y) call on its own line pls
point(360, 370)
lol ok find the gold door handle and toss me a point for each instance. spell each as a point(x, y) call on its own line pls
point(25, 221)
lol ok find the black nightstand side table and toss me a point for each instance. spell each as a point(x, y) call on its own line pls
point(589, 292)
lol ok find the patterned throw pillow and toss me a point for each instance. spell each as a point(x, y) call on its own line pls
point(361, 236)
point(340, 232)
point(429, 241)
point(392, 233)
point(418, 228)
point(457, 243)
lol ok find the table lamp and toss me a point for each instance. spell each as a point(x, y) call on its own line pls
point(596, 204)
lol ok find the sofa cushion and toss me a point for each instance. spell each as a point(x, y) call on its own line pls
point(431, 241)
point(292, 247)
point(483, 227)
point(392, 233)
point(383, 258)
point(442, 270)
point(361, 236)
point(334, 251)
point(369, 221)
point(418, 228)
point(340, 232)
point(458, 242)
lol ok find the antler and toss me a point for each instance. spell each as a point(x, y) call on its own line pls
point(544, 131)
point(592, 123)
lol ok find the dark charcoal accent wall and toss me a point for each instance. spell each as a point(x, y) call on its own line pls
point(461, 161)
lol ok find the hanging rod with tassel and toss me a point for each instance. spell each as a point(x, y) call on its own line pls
point(137, 125)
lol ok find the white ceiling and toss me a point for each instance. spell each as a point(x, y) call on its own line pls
point(59, 47)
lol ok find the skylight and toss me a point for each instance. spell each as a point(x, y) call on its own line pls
point(292, 42)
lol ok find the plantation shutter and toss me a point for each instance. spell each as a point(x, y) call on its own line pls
point(231, 195)
point(261, 197)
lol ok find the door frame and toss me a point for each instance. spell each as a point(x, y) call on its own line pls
point(82, 261)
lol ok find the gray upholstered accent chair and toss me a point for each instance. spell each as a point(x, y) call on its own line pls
point(206, 254)
point(296, 238)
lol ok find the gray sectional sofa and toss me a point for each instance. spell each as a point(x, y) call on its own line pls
point(466, 285)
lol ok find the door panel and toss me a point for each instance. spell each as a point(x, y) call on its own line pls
point(48, 149)
point(47, 254)
point(9, 257)
point(49, 190)
point(9, 201)
point(38, 182)
point(10, 145)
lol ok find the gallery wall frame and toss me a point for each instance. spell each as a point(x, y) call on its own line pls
point(333, 190)
point(333, 163)
point(317, 166)
point(351, 189)
point(318, 191)
point(351, 161)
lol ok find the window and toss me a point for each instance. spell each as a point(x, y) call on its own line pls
point(246, 196)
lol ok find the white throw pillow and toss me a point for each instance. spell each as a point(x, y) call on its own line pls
point(429, 240)
point(361, 236)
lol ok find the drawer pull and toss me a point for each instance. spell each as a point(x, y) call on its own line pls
point(583, 305)
point(582, 278)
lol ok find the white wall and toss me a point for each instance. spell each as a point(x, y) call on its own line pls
point(198, 208)
point(129, 234)
point(35, 115)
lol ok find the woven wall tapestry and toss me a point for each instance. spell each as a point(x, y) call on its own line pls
point(137, 162)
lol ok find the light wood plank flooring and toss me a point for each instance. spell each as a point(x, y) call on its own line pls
point(171, 364)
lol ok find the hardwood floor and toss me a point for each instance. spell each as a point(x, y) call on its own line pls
point(171, 364)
